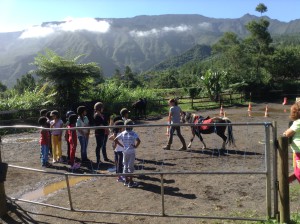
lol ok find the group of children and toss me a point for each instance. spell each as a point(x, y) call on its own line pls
point(125, 140)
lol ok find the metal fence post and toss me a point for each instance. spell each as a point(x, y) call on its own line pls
point(3, 202)
point(275, 163)
point(162, 195)
point(69, 192)
point(268, 165)
point(283, 178)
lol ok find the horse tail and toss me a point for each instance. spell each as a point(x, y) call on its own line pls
point(230, 138)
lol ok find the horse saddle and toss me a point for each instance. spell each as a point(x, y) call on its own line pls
point(203, 120)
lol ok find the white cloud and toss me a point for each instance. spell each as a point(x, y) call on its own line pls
point(205, 25)
point(181, 28)
point(144, 33)
point(88, 24)
point(36, 31)
point(70, 25)
point(161, 31)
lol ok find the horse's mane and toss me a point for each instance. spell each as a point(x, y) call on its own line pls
point(190, 117)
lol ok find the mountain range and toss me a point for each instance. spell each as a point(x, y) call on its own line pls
point(141, 42)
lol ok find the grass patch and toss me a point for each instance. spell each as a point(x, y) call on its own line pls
point(294, 192)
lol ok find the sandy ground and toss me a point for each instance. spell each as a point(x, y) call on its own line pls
point(238, 195)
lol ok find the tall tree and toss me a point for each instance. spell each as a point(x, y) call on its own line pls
point(261, 8)
point(27, 82)
point(284, 63)
point(68, 77)
point(229, 55)
point(130, 78)
point(3, 87)
point(258, 47)
point(117, 77)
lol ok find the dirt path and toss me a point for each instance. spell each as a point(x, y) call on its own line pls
point(201, 195)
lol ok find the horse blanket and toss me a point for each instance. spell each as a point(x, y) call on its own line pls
point(202, 120)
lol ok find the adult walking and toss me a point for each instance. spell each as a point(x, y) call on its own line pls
point(175, 113)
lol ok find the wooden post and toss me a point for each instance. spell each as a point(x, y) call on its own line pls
point(283, 179)
point(3, 205)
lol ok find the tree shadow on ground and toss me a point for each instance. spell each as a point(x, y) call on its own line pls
point(18, 215)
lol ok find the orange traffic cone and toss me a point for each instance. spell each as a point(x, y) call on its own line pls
point(249, 109)
point(284, 101)
point(221, 111)
point(266, 111)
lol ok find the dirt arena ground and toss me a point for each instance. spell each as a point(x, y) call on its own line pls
point(199, 195)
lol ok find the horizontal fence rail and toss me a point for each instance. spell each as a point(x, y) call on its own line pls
point(266, 172)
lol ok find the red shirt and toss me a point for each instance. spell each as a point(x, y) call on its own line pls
point(45, 137)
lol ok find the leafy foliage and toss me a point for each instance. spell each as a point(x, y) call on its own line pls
point(67, 77)
point(27, 82)
point(27, 100)
point(261, 8)
point(3, 87)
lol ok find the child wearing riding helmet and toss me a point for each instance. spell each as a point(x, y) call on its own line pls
point(129, 140)
point(293, 132)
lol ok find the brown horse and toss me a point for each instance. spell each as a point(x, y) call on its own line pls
point(139, 108)
point(198, 130)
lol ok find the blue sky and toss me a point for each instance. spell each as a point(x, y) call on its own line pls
point(20, 14)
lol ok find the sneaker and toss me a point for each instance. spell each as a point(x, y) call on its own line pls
point(86, 161)
point(108, 160)
point(75, 166)
point(121, 179)
point(133, 184)
point(54, 161)
point(125, 183)
point(167, 147)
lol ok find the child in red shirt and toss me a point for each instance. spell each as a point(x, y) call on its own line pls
point(44, 141)
point(72, 140)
